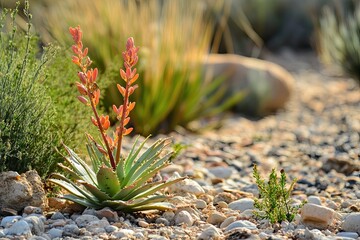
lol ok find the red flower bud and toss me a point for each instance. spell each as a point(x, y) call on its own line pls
point(81, 88)
point(83, 100)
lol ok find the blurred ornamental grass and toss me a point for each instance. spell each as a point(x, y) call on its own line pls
point(338, 38)
point(175, 38)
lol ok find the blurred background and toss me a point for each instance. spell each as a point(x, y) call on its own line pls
point(175, 38)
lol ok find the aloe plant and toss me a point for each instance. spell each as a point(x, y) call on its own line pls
point(121, 183)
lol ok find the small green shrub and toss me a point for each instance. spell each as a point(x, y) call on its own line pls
point(339, 38)
point(274, 202)
point(27, 129)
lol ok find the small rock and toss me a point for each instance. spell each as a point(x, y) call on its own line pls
point(55, 233)
point(222, 172)
point(242, 204)
point(225, 197)
point(314, 200)
point(222, 204)
point(56, 203)
point(19, 228)
point(110, 229)
point(98, 224)
point(200, 204)
point(210, 233)
point(186, 186)
point(317, 216)
point(247, 213)
point(241, 224)
point(143, 224)
point(352, 223)
point(123, 233)
point(85, 219)
point(36, 224)
point(111, 216)
point(10, 220)
point(168, 215)
point(57, 216)
point(314, 234)
point(30, 209)
point(215, 218)
point(59, 223)
point(184, 217)
point(162, 220)
point(227, 222)
point(353, 235)
point(71, 229)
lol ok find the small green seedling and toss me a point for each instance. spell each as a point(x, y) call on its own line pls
point(274, 198)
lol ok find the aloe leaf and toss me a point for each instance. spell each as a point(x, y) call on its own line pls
point(71, 186)
point(148, 175)
point(132, 156)
point(82, 201)
point(124, 192)
point(148, 200)
point(151, 188)
point(107, 180)
point(149, 165)
point(141, 194)
point(80, 167)
point(148, 154)
point(70, 171)
point(95, 191)
point(67, 186)
point(115, 204)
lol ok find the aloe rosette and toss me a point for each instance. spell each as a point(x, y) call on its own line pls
point(121, 183)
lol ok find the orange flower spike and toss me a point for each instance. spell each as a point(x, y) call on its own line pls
point(76, 33)
point(76, 60)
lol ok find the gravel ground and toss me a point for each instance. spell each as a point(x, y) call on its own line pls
point(316, 139)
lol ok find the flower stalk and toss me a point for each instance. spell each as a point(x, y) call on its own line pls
point(90, 93)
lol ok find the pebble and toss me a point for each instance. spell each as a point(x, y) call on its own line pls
point(143, 224)
point(10, 220)
point(314, 200)
point(200, 204)
point(85, 219)
point(184, 217)
point(210, 233)
point(123, 233)
point(55, 233)
point(240, 224)
point(317, 216)
point(216, 218)
point(163, 221)
point(222, 172)
point(352, 223)
point(109, 214)
point(227, 222)
point(242, 204)
point(36, 224)
point(57, 216)
point(186, 186)
point(20, 227)
point(353, 235)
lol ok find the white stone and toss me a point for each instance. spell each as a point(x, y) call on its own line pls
point(216, 217)
point(352, 223)
point(200, 204)
point(123, 233)
point(98, 224)
point(352, 235)
point(184, 217)
point(314, 200)
point(9, 220)
point(55, 233)
point(317, 216)
point(222, 172)
point(111, 228)
point(84, 220)
point(210, 233)
point(247, 213)
point(241, 224)
point(242, 204)
point(36, 224)
point(227, 221)
point(187, 186)
point(143, 224)
point(19, 228)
